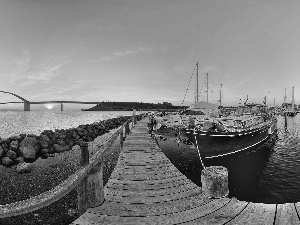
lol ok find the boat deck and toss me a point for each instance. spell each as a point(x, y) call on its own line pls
point(145, 188)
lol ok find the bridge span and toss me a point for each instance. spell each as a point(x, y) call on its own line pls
point(28, 103)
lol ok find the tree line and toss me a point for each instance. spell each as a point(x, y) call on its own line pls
point(128, 106)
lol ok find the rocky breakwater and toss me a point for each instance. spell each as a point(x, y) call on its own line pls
point(21, 151)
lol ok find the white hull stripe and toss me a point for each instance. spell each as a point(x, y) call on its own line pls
point(210, 157)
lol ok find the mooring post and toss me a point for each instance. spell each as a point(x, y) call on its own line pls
point(214, 181)
point(90, 192)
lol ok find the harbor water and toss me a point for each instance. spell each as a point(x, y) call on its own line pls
point(34, 122)
point(270, 174)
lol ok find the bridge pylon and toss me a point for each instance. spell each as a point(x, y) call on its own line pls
point(26, 106)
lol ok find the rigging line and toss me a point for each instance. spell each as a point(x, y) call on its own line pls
point(188, 86)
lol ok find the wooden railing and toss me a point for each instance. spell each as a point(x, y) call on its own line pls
point(87, 180)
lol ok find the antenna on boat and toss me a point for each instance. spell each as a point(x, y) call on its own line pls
point(207, 87)
point(197, 85)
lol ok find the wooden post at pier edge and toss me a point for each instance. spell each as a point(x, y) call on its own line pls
point(133, 117)
point(90, 192)
point(214, 181)
point(85, 156)
point(127, 130)
point(121, 138)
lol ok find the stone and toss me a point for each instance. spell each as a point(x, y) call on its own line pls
point(214, 181)
point(11, 154)
point(19, 159)
point(5, 147)
point(45, 156)
point(44, 150)
point(14, 145)
point(44, 141)
point(61, 148)
point(6, 161)
point(14, 138)
point(2, 152)
point(61, 142)
point(29, 146)
point(24, 167)
point(2, 141)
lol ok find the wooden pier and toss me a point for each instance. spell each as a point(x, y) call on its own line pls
point(145, 188)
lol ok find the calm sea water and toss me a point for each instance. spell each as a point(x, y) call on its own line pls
point(34, 122)
point(268, 175)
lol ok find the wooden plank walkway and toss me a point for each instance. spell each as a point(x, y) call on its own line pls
point(145, 188)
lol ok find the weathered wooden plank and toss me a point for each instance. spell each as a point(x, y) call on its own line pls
point(147, 199)
point(148, 182)
point(286, 214)
point(256, 213)
point(160, 208)
point(146, 171)
point(172, 218)
point(223, 214)
point(151, 193)
point(144, 166)
point(145, 187)
point(142, 177)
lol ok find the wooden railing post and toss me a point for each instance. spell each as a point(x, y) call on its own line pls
point(121, 138)
point(90, 192)
point(133, 118)
point(85, 155)
point(127, 130)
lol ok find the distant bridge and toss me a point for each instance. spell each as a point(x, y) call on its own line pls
point(28, 103)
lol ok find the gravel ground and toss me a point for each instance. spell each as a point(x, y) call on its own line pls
point(46, 174)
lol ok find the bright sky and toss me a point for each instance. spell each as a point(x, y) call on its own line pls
point(146, 51)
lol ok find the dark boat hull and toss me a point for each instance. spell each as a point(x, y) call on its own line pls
point(218, 144)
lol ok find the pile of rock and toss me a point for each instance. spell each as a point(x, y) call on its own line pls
point(24, 149)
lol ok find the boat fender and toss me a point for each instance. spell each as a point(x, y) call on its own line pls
point(220, 128)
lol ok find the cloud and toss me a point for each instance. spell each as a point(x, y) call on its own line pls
point(242, 82)
point(26, 71)
point(56, 91)
point(46, 72)
point(119, 53)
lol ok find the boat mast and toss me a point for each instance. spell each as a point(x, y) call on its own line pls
point(221, 95)
point(207, 87)
point(197, 85)
point(285, 97)
point(293, 98)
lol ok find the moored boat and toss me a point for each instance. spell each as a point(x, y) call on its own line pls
point(218, 131)
point(233, 134)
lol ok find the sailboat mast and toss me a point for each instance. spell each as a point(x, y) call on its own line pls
point(207, 87)
point(221, 95)
point(293, 98)
point(197, 85)
point(285, 97)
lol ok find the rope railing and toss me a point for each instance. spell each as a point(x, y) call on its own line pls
point(87, 179)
